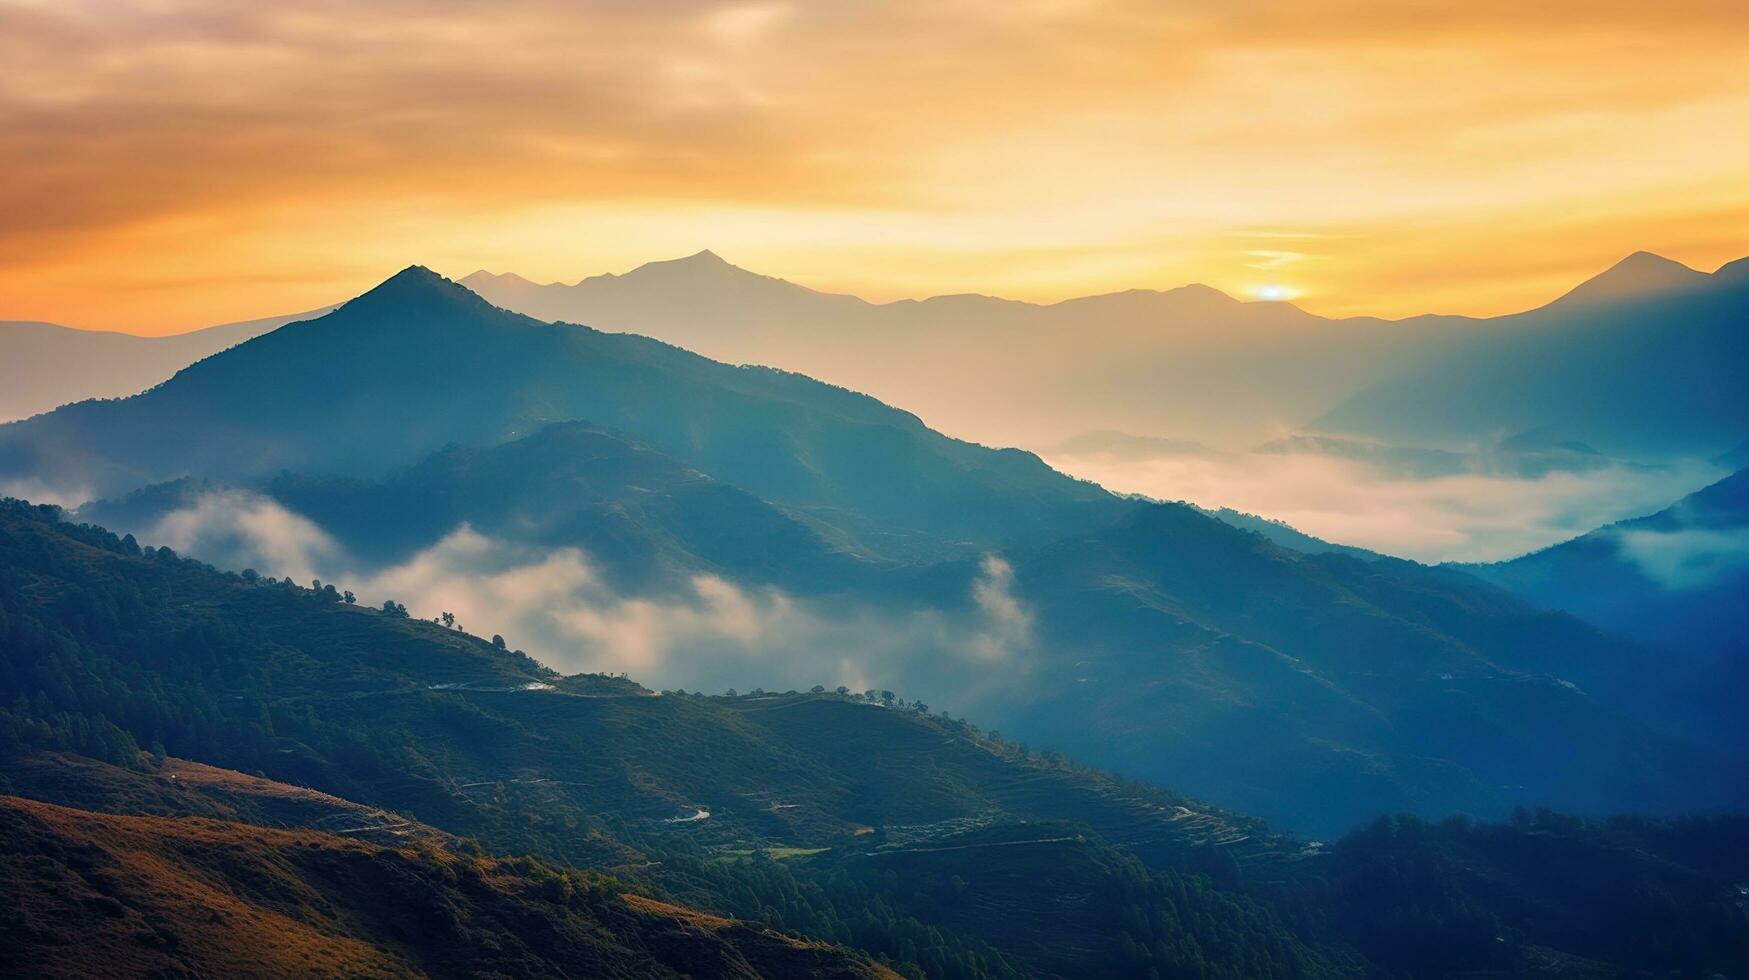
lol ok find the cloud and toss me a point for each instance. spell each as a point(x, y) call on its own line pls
point(1447, 509)
point(151, 142)
point(708, 634)
point(1007, 622)
point(67, 495)
point(236, 529)
point(1687, 552)
point(744, 23)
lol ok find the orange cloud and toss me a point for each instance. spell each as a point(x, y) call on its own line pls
point(174, 162)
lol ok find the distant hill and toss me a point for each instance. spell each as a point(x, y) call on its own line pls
point(1188, 361)
point(1675, 580)
point(43, 365)
point(1648, 360)
point(1336, 684)
point(1192, 363)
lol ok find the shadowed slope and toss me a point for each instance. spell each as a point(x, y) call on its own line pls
point(1677, 581)
point(1336, 685)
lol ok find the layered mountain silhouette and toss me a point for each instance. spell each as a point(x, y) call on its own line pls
point(1189, 360)
point(1311, 688)
point(1649, 360)
point(1597, 364)
point(43, 365)
point(1675, 580)
point(420, 363)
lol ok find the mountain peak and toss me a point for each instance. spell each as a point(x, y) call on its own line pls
point(413, 274)
point(1639, 274)
point(1644, 263)
point(416, 289)
point(701, 262)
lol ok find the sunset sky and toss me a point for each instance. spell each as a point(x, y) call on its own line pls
point(169, 164)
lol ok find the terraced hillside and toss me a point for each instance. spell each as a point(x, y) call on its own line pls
point(374, 741)
point(412, 717)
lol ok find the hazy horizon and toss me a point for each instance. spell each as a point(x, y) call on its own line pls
point(1362, 158)
point(874, 295)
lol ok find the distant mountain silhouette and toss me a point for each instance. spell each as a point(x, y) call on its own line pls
point(1638, 276)
point(419, 363)
point(1193, 362)
point(1311, 688)
point(43, 365)
point(1648, 360)
point(1677, 579)
point(1736, 458)
point(1189, 359)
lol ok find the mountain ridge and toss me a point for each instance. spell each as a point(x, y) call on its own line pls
point(1132, 360)
point(1638, 271)
point(395, 396)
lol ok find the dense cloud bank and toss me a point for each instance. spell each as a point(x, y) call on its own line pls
point(1460, 508)
point(708, 634)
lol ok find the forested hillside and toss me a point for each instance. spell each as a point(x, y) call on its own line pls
point(852, 819)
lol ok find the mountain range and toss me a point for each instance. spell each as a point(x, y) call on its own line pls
point(212, 772)
point(1648, 361)
point(1313, 689)
point(1189, 363)
point(1665, 578)
point(1194, 363)
point(1021, 373)
point(420, 363)
point(1674, 580)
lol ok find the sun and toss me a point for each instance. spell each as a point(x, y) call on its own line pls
point(1274, 292)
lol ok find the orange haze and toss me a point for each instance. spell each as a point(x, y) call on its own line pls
point(173, 163)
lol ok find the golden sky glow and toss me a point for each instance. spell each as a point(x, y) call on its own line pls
point(166, 164)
